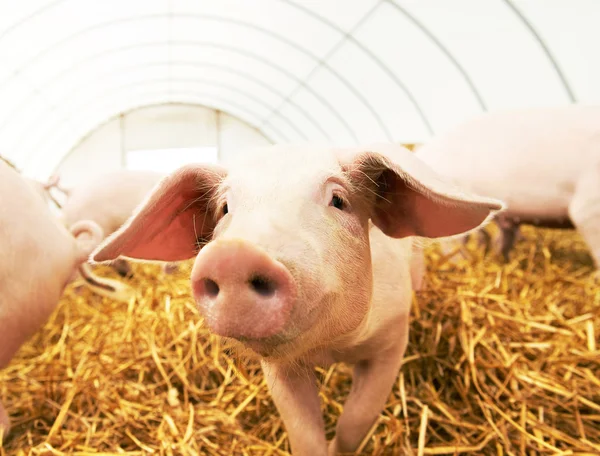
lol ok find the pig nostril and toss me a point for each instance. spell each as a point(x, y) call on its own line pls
point(263, 286)
point(211, 287)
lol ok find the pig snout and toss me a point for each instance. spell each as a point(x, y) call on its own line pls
point(242, 292)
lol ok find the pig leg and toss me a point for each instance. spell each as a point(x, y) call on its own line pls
point(584, 210)
point(294, 391)
point(371, 386)
point(482, 237)
point(4, 421)
point(418, 267)
point(122, 267)
point(508, 234)
point(170, 268)
point(485, 240)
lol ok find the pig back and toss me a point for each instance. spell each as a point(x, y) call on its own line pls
point(109, 199)
point(529, 158)
point(37, 256)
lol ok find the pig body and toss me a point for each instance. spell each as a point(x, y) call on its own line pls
point(305, 257)
point(109, 199)
point(544, 163)
point(44, 190)
point(38, 258)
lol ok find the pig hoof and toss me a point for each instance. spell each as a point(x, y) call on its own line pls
point(4, 422)
point(122, 267)
point(78, 290)
point(170, 268)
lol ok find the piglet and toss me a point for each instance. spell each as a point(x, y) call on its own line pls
point(109, 199)
point(543, 162)
point(304, 257)
point(38, 258)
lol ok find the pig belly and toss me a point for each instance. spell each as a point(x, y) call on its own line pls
point(546, 204)
point(542, 211)
point(540, 221)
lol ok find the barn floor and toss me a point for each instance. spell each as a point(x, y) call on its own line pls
point(503, 359)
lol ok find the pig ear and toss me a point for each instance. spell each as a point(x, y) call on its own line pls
point(407, 198)
point(168, 226)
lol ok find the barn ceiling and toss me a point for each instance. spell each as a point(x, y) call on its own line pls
point(315, 70)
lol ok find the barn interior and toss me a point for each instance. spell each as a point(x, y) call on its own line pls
point(503, 354)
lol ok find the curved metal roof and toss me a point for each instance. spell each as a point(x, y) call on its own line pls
point(312, 70)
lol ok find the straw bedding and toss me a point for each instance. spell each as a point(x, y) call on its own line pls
point(503, 359)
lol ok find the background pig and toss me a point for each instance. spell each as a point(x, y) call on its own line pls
point(109, 199)
point(41, 188)
point(38, 257)
point(305, 258)
point(544, 163)
point(44, 190)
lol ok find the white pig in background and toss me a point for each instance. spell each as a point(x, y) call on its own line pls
point(38, 258)
point(109, 199)
point(43, 189)
point(544, 163)
point(304, 257)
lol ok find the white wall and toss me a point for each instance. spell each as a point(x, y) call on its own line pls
point(235, 136)
point(98, 153)
point(157, 127)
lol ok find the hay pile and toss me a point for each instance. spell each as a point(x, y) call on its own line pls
point(502, 360)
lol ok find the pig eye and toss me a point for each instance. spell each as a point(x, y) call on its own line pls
point(337, 202)
point(225, 209)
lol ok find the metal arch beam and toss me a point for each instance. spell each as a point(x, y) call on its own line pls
point(187, 98)
point(194, 80)
point(122, 88)
point(199, 99)
point(88, 59)
point(373, 57)
point(213, 83)
point(35, 13)
point(304, 51)
point(137, 106)
point(257, 28)
point(224, 86)
point(398, 82)
point(429, 34)
point(264, 61)
point(320, 64)
point(545, 49)
point(51, 5)
point(181, 94)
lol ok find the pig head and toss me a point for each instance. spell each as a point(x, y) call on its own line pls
point(304, 257)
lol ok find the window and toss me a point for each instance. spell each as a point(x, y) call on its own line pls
point(167, 160)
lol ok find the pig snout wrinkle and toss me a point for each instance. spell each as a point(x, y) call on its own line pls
point(242, 292)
